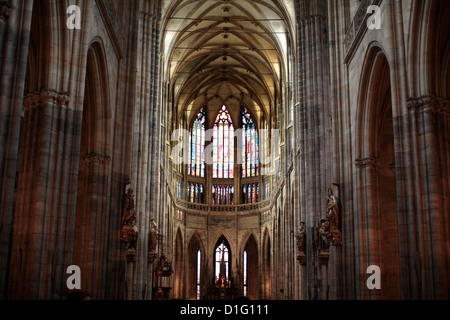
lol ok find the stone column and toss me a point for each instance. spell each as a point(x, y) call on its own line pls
point(370, 242)
point(45, 184)
point(314, 133)
point(93, 224)
point(430, 122)
point(146, 134)
point(15, 22)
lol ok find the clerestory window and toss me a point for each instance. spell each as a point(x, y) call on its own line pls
point(227, 188)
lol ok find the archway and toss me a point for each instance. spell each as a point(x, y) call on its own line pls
point(251, 269)
point(377, 174)
point(266, 265)
point(179, 274)
point(92, 218)
point(196, 268)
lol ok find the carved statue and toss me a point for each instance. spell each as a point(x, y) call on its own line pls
point(130, 235)
point(323, 235)
point(301, 241)
point(333, 211)
point(153, 236)
point(301, 238)
point(129, 214)
point(129, 232)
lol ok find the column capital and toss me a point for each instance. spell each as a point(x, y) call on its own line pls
point(368, 163)
point(39, 98)
point(97, 159)
point(428, 102)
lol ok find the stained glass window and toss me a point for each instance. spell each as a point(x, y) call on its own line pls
point(222, 255)
point(196, 193)
point(223, 161)
point(196, 167)
point(223, 143)
point(199, 261)
point(250, 193)
point(222, 195)
point(250, 146)
point(245, 273)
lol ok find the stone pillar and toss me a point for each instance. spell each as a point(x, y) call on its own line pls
point(92, 222)
point(430, 122)
point(314, 133)
point(146, 134)
point(370, 243)
point(45, 184)
point(15, 22)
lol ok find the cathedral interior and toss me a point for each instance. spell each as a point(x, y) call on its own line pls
point(225, 149)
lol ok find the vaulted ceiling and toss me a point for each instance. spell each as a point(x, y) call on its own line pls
point(226, 52)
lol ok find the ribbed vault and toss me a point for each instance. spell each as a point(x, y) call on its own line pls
point(230, 52)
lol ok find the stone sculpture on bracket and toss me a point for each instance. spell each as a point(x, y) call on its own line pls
point(154, 239)
point(323, 236)
point(322, 239)
point(129, 232)
point(154, 232)
point(334, 219)
point(301, 248)
point(333, 212)
point(129, 214)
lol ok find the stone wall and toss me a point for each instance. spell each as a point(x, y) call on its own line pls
point(65, 145)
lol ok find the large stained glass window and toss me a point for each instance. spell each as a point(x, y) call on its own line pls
point(196, 168)
point(224, 190)
point(223, 139)
point(250, 146)
point(222, 195)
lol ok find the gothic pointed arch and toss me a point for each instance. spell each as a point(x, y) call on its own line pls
point(266, 264)
point(92, 217)
point(250, 272)
point(179, 249)
point(376, 164)
point(428, 106)
point(196, 268)
point(223, 260)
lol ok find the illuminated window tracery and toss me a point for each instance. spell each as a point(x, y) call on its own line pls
point(224, 192)
point(223, 195)
point(222, 256)
point(223, 155)
point(196, 168)
point(250, 146)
